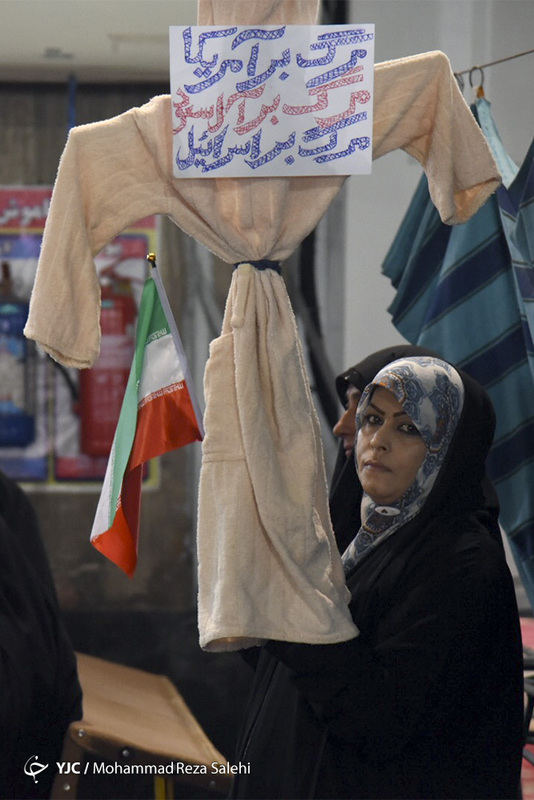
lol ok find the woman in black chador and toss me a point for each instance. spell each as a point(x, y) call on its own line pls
point(40, 694)
point(426, 702)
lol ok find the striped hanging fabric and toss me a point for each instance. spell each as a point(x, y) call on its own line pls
point(467, 293)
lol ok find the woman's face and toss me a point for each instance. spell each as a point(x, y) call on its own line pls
point(345, 427)
point(389, 449)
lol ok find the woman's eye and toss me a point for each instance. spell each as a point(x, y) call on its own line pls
point(372, 419)
point(410, 429)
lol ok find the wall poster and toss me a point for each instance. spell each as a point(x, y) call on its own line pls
point(57, 424)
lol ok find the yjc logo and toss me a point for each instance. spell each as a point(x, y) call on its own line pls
point(32, 767)
point(64, 767)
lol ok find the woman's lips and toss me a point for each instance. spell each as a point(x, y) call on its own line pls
point(376, 465)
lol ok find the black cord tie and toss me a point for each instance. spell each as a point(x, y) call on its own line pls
point(264, 263)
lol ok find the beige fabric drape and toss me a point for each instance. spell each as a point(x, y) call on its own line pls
point(268, 564)
point(264, 540)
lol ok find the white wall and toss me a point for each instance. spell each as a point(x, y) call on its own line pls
point(470, 32)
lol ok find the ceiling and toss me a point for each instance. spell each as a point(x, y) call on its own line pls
point(94, 40)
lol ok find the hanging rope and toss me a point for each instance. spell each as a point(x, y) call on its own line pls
point(491, 64)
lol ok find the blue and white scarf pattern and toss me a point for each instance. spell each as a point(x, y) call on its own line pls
point(432, 394)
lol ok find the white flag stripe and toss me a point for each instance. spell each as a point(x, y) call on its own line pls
point(164, 300)
point(105, 513)
point(161, 367)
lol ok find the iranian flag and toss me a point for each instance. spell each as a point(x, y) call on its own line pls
point(159, 413)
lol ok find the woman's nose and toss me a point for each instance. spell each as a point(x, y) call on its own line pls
point(346, 424)
point(380, 438)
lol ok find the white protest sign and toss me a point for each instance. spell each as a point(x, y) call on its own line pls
point(272, 100)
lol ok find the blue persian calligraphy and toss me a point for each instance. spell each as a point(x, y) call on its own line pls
point(261, 100)
point(256, 80)
point(279, 147)
point(331, 42)
point(320, 131)
point(332, 74)
point(227, 64)
point(203, 39)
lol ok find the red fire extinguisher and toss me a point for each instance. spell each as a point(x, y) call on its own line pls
point(102, 387)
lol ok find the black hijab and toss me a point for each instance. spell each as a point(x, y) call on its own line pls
point(346, 490)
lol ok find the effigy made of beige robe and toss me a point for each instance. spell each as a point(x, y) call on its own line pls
point(268, 564)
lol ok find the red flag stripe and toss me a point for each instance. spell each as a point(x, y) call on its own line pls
point(119, 543)
point(166, 422)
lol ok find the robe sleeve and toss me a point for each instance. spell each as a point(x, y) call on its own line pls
point(420, 109)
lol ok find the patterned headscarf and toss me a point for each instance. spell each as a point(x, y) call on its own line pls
point(431, 393)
